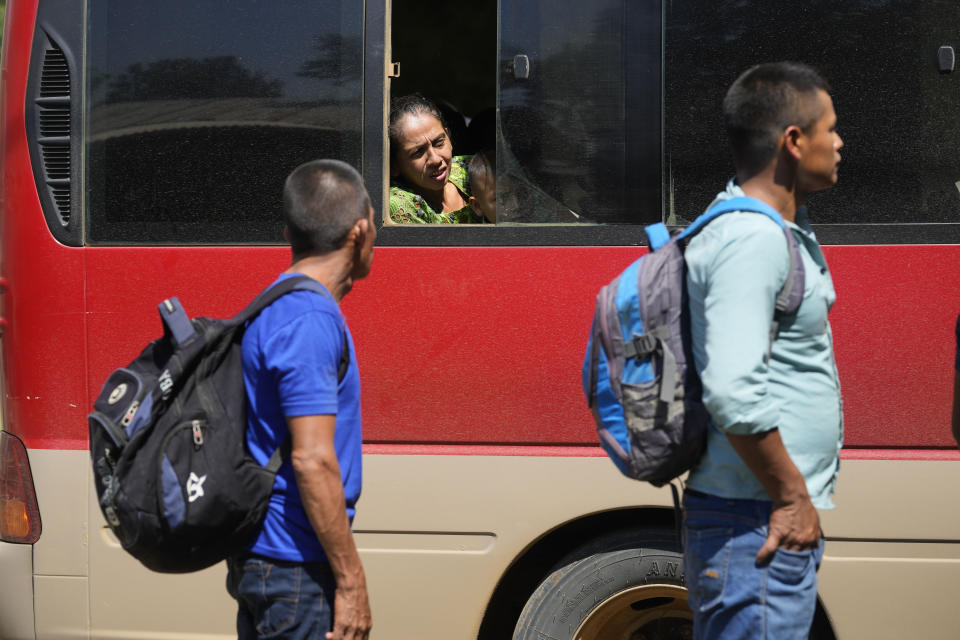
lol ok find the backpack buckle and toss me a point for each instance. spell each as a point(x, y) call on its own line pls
point(640, 346)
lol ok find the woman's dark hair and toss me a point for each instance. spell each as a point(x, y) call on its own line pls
point(322, 200)
point(765, 100)
point(412, 104)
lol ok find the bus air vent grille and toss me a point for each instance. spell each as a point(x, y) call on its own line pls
point(56, 161)
point(55, 78)
point(53, 115)
point(54, 123)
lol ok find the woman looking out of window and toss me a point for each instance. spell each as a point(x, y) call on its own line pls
point(428, 184)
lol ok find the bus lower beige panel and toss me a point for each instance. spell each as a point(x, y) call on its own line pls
point(61, 479)
point(892, 590)
point(129, 601)
point(62, 608)
point(896, 500)
point(436, 533)
point(16, 592)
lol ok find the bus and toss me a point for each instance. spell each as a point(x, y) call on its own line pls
point(144, 146)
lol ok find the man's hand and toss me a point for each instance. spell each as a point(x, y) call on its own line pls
point(794, 522)
point(352, 619)
point(794, 526)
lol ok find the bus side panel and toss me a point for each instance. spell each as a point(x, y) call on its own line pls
point(892, 560)
point(16, 592)
point(127, 600)
point(893, 329)
point(45, 401)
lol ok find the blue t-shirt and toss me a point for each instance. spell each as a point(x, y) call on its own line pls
point(291, 354)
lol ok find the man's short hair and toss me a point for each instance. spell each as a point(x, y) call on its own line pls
point(322, 200)
point(763, 102)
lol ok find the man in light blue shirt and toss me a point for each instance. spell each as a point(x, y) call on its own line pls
point(753, 539)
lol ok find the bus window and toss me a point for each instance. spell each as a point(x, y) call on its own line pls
point(896, 110)
point(194, 115)
point(579, 104)
point(447, 53)
point(576, 126)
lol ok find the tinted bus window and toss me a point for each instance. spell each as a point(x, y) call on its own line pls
point(896, 110)
point(582, 100)
point(579, 112)
point(196, 111)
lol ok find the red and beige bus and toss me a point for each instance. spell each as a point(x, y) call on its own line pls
point(144, 145)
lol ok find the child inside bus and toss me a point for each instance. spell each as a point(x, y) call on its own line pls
point(482, 172)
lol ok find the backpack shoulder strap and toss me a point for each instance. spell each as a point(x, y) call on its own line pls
point(791, 293)
point(285, 286)
point(272, 294)
point(740, 203)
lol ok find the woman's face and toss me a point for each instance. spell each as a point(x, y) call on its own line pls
point(423, 152)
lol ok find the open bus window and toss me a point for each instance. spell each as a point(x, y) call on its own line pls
point(574, 121)
point(197, 111)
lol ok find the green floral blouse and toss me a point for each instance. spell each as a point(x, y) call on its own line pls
point(407, 207)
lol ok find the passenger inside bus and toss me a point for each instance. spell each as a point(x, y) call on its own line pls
point(483, 186)
point(428, 185)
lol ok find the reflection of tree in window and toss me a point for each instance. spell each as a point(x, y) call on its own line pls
point(330, 64)
point(186, 78)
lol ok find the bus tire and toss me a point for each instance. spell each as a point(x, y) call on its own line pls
point(630, 586)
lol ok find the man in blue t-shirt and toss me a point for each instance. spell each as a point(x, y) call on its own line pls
point(302, 576)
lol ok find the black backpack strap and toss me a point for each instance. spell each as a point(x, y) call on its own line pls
point(285, 286)
point(271, 295)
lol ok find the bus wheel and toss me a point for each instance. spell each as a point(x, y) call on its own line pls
point(633, 593)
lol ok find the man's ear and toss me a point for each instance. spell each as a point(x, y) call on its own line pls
point(793, 141)
point(358, 232)
point(286, 234)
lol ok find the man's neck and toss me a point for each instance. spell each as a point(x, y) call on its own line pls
point(331, 270)
point(782, 196)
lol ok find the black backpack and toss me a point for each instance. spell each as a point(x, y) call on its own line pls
point(174, 478)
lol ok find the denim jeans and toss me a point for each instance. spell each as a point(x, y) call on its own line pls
point(732, 597)
point(277, 599)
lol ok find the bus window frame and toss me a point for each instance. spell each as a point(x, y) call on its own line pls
point(391, 235)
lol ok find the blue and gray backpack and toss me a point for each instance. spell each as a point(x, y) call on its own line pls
point(645, 398)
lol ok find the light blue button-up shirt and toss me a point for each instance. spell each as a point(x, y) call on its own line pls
point(736, 266)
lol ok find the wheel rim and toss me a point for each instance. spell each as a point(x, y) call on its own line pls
point(648, 612)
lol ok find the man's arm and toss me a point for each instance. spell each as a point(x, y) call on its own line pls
point(317, 472)
point(794, 522)
point(734, 280)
